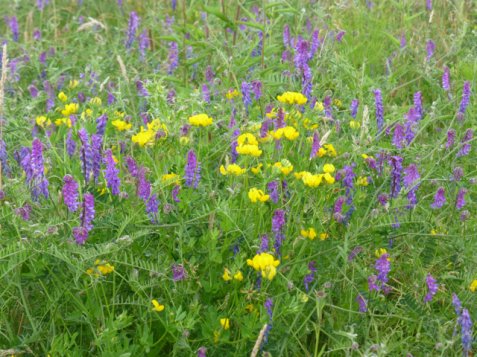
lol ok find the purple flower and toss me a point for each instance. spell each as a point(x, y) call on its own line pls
point(439, 198)
point(201, 352)
point(430, 47)
point(5, 168)
point(465, 149)
point(378, 100)
point(257, 89)
point(133, 25)
point(411, 175)
point(403, 41)
point(143, 186)
point(246, 98)
point(141, 89)
point(308, 279)
point(13, 24)
point(144, 43)
point(354, 108)
point(209, 74)
point(457, 304)
point(33, 90)
point(315, 43)
point(111, 173)
point(152, 207)
point(429, 5)
point(175, 193)
point(80, 234)
point(178, 272)
point(338, 209)
point(450, 138)
point(96, 148)
point(272, 188)
point(383, 267)
point(315, 147)
point(460, 201)
point(41, 4)
point(339, 36)
point(171, 96)
point(88, 211)
point(432, 287)
point(24, 212)
point(396, 169)
point(264, 247)
point(464, 216)
point(464, 103)
point(101, 124)
point(173, 57)
point(398, 136)
point(86, 154)
point(132, 166)
point(362, 303)
point(356, 250)
point(205, 93)
point(327, 105)
point(286, 36)
point(111, 98)
point(38, 179)
point(278, 220)
point(417, 107)
point(70, 193)
point(192, 170)
point(466, 331)
point(446, 79)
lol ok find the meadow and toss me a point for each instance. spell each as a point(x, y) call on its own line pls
point(235, 178)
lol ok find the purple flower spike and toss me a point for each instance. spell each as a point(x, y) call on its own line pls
point(430, 47)
point(13, 24)
point(378, 99)
point(354, 108)
point(446, 79)
point(246, 98)
point(432, 287)
point(439, 198)
point(460, 201)
point(178, 273)
point(464, 101)
point(362, 303)
point(70, 193)
point(133, 25)
point(192, 170)
point(173, 57)
point(88, 211)
point(111, 173)
point(466, 331)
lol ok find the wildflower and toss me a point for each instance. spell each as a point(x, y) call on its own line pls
point(144, 43)
point(257, 89)
point(439, 198)
point(328, 168)
point(450, 138)
point(353, 124)
point(272, 187)
point(354, 107)
point(246, 99)
point(226, 275)
point(13, 24)
point(38, 179)
point(178, 272)
point(464, 101)
point(88, 211)
point(430, 47)
point(133, 25)
point(175, 193)
point(201, 352)
point(396, 165)
point(24, 212)
point(111, 173)
point(265, 264)
point(465, 149)
point(338, 209)
point(362, 181)
point(288, 132)
point(457, 304)
point(311, 180)
point(232, 93)
point(157, 306)
point(173, 57)
point(473, 286)
point(192, 170)
point(460, 201)
point(255, 195)
point(398, 136)
point(200, 120)
point(309, 233)
point(71, 108)
point(284, 166)
point(238, 276)
point(121, 125)
point(379, 109)
point(411, 175)
point(225, 323)
point(446, 79)
point(432, 287)
point(292, 98)
point(466, 331)
point(4, 167)
point(96, 148)
point(362, 303)
point(311, 276)
point(315, 145)
point(70, 193)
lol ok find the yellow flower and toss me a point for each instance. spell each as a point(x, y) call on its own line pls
point(324, 236)
point(170, 178)
point(62, 96)
point(231, 94)
point(311, 180)
point(42, 121)
point(105, 269)
point(71, 108)
point(379, 252)
point(257, 169)
point(288, 132)
point(328, 168)
point(144, 137)
point(308, 124)
point(63, 121)
point(362, 181)
point(319, 106)
point(121, 125)
point(247, 139)
point(87, 113)
point(226, 276)
point(321, 152)
point(157, 306)
point(216, 336)
point(248, 149)
point(292, 98)
point(73, 83)
point(238, 276)
point(284, 166)
point(265, 263)
point(473, 286)
point(353, 124)
point(330, 150)
point(309, 233)
point(232, 169)
point(250, 308)
point(225, 323)
point(95, 101)
point(255, 195)
point(271, 114)
point(200, 120)
point(338, 103)
point(299, 175)
point(329, 179)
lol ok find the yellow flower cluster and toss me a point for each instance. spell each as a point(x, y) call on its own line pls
point(362, 181)
point(63, 121)
point(265, 263)
point(121, 125)
point(284, 166)
point(100, 268)
point(170, 178)
point(227, 275)
point(200, 120)
point(473, 286)
point(288, 132)
point(147, 136)
point(314, 180)
point(248, 145)
point(231, 94)
point(255, 195)
point(309, 233)
point(71, 108)
point(157, 306)
point(292, 98)
point(225, 323)
point(354, 124)
point(232, 169)
point(62, 97)
point(328, 150)
point(42, 121)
